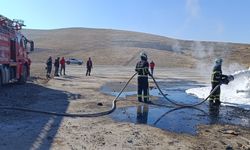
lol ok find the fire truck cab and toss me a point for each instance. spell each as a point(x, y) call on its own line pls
point(14, 50)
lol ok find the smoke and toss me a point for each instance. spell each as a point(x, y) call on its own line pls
point(205, 54)
point(237, 91)
point(193, 8)
point(242, 74)
point(220, 28)
point(233, 68)
point(193, 12)
point(176, 46)
point(200, 51)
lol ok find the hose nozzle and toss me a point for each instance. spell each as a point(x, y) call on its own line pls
point(230, 78)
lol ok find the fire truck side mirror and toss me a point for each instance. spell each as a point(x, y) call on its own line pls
point(31, 46)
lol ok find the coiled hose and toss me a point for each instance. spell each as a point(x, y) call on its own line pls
point(72, 114)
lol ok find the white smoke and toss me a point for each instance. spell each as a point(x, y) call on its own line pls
point(242, 73)
point(200, 51)
point(176, 46)
point(203, 56)
point(193, 8)
point(220, 28)
point(234, 67)
point(193, 12)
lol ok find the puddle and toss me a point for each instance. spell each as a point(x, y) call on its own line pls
point(182, 120)
point(113, 88)
point(174, 89)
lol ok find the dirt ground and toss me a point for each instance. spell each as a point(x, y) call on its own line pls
point(76, 93)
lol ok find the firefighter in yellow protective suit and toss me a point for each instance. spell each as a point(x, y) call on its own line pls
point(143, 72)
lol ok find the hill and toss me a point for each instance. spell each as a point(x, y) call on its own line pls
point(116, 47)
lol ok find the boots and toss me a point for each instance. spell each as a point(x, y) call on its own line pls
point(214, 102)
point(217, 102)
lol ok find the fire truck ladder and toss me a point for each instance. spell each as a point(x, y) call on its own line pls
point(11, 25)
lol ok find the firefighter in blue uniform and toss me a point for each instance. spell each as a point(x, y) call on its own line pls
point(216, 79)
point(143, 72)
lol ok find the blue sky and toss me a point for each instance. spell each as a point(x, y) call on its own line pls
point(212, 20)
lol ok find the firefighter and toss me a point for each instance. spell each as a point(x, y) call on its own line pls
point(143, 72)
point(214, 112)
point(56, 65)
point(152, 66)
point(62, 63)
point(216, 79)
point(49, 67)
point(89, 66)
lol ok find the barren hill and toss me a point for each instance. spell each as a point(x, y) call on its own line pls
point(116, 47)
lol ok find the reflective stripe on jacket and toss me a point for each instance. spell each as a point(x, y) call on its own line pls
point(217, 74)
point(142, 68)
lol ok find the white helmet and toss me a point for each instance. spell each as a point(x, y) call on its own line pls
point(143, 55)
point(218, 61)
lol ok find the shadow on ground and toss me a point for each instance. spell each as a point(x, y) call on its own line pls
point(25, 130)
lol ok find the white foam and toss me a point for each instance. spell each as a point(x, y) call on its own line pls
point(229, 95)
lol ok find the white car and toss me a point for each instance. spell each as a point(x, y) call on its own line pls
point(74, 61)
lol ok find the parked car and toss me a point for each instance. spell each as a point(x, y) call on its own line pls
point(74, 61)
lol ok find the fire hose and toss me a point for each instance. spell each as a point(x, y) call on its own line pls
point(178, 108)
point(108, 111)
point(73, 114)
point(184, 105)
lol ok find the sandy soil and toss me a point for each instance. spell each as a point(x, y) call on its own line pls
point(76, 93)
point(125, 45)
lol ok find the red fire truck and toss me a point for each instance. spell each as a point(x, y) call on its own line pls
point(14, 49)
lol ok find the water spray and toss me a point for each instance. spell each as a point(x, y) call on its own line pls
point(237, 93)
point(243, 74)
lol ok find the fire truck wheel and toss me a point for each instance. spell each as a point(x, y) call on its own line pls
point(23, 77)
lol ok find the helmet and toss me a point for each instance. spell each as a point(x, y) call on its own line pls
point(143, 55)
point(218, 61)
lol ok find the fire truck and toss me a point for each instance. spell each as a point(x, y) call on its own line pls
point(14, 50)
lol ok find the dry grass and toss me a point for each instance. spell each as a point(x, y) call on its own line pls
point(116, 47)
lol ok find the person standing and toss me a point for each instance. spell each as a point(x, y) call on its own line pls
point(217, 78)
point(57, 65)
point(143, 72)
point(49, 67)
point(152, 66)
point(62, 63)
point(89, 66)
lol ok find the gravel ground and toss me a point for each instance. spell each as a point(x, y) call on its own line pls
point(76, 93)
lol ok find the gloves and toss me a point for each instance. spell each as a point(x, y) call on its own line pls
point(227, 79)
point(230, 78)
